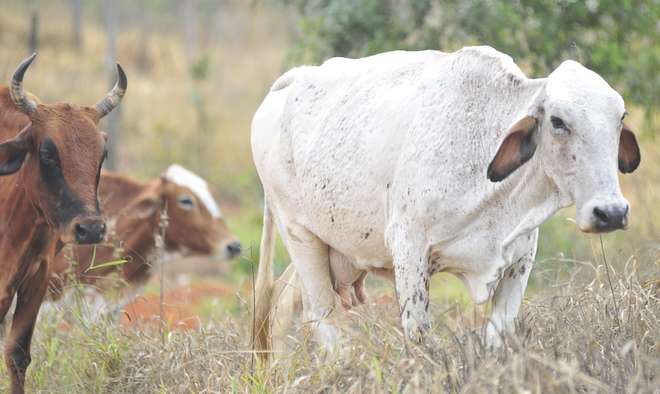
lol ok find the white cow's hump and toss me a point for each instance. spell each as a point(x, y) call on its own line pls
point(491, 58)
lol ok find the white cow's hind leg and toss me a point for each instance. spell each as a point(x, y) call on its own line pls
point(285, 310)
point(309, 255)
point(509, 294)
point(411, 272)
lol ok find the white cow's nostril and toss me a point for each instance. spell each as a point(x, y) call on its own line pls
point(601, 215)
point(610, 217)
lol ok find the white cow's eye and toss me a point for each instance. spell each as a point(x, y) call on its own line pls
point(557, 122)
point(559, 127)
point(186, 202)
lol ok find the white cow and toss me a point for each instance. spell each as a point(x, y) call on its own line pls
point(426, 161)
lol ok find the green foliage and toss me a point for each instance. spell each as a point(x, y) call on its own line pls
point(199, 70)
point(616, 38)
point(348, 28)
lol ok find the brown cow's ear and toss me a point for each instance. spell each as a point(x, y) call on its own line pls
point(629, 156)
point(517, 148)
point(146, 207)
point(13, 152)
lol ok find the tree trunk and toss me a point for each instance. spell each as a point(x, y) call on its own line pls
point(76, 24)
point(191, 28)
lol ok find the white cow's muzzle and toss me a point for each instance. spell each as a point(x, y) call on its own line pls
point(601, 215)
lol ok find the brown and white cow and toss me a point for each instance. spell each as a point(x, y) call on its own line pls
point(195, 225)
point(50, 163)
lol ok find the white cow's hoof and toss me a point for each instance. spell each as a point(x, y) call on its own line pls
point(416, 331)
point(327, 335)
point(494, 337)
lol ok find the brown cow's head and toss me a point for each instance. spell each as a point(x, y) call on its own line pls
point(195, 221)
point(60, 152)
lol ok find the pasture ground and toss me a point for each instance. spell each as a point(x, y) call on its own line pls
point(579, 335)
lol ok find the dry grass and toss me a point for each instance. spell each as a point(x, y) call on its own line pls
point(577, 336)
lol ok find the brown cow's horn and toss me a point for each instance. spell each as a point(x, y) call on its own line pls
point(112, 99)
point(16, 91)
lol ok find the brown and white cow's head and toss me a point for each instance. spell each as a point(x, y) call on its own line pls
point(195, 223)
point(575, 127)
point(60, 152)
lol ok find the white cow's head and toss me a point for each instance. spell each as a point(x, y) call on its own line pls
point(575, 127)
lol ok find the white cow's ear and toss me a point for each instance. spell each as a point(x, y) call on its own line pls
point(517, 148)
point(629, 156)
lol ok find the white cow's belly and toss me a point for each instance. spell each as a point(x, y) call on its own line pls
point(348, 220)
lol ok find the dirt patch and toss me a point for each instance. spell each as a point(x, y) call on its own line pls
point(180, 306)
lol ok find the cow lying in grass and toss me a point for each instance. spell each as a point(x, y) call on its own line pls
point(195, 225)
point(425, 162)
point(50, 163)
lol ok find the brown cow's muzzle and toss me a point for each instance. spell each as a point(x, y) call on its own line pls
point(90, 230)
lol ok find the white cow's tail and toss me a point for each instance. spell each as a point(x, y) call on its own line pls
point(264, 286)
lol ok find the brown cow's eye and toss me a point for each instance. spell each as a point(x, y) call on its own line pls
point(48, 160)
point(48, 155)
point(186, 202)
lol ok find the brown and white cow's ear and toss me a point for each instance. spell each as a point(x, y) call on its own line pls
point(13, 152)
point(517, 148)
point(629, 156)
point(146, 207)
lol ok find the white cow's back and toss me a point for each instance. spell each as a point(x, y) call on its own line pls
point(344, 147)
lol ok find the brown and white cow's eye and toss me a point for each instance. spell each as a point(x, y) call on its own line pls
point(186, 202)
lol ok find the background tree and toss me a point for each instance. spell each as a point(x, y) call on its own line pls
point(113, 118)
point(76, 24)
point(617, 38)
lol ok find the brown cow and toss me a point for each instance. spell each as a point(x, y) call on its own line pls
point(195, 225)
point(50, 163)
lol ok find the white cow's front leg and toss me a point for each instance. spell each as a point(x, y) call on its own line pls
point(509, 293)
point(412, 286)
point(309, 255)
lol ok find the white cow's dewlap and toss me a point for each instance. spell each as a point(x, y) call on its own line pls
point(186, 178)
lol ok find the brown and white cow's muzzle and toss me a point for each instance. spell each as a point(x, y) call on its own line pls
point(229, 250)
